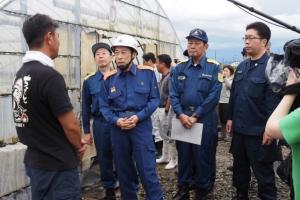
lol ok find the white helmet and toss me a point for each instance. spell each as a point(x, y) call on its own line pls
point(125, 41)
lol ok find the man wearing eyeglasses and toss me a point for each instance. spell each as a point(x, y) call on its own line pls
point(251, 103)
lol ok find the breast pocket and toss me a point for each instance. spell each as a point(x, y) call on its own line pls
point(256, 87)
point(95, 91)
point(141, 94)
point(95, 94)
point(181, 79)
point(237, 81)
point(238, 78)
point(115, 97)
point(204, 84)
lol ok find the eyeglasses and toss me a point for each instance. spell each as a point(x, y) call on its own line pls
point(251, 38)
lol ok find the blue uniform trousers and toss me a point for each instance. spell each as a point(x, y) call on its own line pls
point(134, 150)
point(248, 151)
point(49, 185)
point(102, 138)
point(197, 163)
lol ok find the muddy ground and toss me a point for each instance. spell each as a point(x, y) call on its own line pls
point(223, 188)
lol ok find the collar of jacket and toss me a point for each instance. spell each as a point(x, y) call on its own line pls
point(261, 60)
point(99, 75)
point(202, 62)
point(132, 70)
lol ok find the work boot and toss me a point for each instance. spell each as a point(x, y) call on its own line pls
point(165, 154)
point(172, 164)
point(182, 193)
point(241, 195)
point(230, 168)
point(110, 194)
point(173, 155)
point(201, 194)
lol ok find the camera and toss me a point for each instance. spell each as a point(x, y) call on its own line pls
point(279, 66)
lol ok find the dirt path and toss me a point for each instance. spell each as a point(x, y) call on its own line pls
point(223, 188)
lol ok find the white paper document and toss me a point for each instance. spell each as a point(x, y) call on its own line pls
point(193, 135)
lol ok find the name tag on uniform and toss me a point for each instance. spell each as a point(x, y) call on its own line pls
point(208, 76)
point(239, 72)
point(181, 78)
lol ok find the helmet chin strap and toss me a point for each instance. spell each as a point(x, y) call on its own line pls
point(126, 66)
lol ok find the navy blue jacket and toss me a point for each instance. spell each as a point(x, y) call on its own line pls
point(252, 100)
point(135, 91)
point(195, 89)
point(90, 102)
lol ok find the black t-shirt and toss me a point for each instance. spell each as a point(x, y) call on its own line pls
point(39, 97)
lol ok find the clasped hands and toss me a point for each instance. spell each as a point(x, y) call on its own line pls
point(127, 123)
point(187, 121)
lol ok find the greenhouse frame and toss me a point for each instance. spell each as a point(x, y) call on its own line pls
point(81, 24)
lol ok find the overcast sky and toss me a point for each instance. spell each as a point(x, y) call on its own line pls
point(225, 23)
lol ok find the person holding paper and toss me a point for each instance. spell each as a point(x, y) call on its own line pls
point(194, 92)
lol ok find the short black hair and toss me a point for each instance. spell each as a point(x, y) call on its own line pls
point(35, 28)
point(149, 56)
point(165, 58)
point(262, 29)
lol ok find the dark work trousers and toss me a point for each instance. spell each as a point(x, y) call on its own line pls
point(102, 138)
point(50, 185)
point(197, 163)
point(134, 152)
point(248, 151)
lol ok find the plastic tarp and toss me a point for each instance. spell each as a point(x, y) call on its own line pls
point(7, 127)
point(9, 64)
point(22, 194)
point(75, 100)
point(12, 169)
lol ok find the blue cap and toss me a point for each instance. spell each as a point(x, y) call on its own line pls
point(101, 45)
point(199, 34)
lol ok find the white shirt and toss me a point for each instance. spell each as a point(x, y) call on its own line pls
point(38, 56)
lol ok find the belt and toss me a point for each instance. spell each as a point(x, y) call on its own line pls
point(189, 108)
point(125, 113)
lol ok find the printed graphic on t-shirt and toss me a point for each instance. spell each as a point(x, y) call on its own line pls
point(19, 102)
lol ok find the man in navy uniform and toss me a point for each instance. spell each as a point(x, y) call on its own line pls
point(129, 97)
point(194, 92)
point(101, 128)
point(251, 103)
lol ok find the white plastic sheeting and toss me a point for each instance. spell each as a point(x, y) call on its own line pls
point(75, 100)
point(144, 19)
point(12, 170)
point(23, 194)
point(8, 132)
point(9, 64)
point(7, 127)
